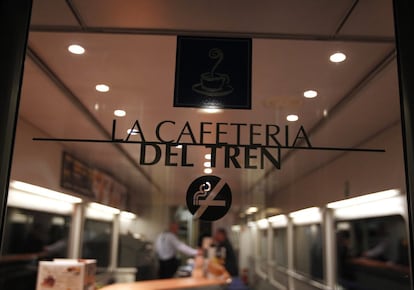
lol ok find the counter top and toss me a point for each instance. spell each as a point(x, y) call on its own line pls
point(167, 284)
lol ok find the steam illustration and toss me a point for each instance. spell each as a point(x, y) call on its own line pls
point(212, 83)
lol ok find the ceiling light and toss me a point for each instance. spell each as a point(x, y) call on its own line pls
point(211, 110)
point(263, 223)
point(179, 146)
point(208, 170)
point(95, 214)
point(305, 212)
point(104, 208)
point(34, 189)
point(22, 199)
point(251, 224)
point(207, 164)
point(337, 57)
point(132, 132)
point(120, 113)
point(207, 156)
point(278, 220)
point(292, 118)
point(379, 208)
point(235, 228)
point(251, 210)
point(310, 94)
point(364, 199)
point(306, 216)
point(128, 215)
point(96, 107)
point(76, 49)
point(102, 88)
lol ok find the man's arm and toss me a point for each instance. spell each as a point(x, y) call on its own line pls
point(182, 247)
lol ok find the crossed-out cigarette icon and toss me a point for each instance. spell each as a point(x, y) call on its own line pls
point(205, 197)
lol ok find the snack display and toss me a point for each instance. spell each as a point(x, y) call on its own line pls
point(216, 270)
point(66, 274)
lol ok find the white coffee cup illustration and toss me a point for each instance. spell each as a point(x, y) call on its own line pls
point(213, 82)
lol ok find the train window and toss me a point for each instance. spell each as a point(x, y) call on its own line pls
point(42, 233)
point(280, 246)
point(235, 236)
point(136, 252)
point(263, 246)
point(373, 253)
point(30, 236)
point(308, 257)
point(263, 243)
point(97, 241)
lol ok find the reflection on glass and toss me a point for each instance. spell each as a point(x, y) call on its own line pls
point(97, 241)
point(136, 252)
point(263, 244)
point(308, 251)
point(30, 236)
point(372, 253)
point(34, 232)
point(235, 236)
point(280, 246)
point(263, 249)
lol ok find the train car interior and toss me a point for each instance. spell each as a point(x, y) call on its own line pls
point(105, 156)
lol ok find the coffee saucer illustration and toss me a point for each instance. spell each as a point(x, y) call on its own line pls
point(213, 84)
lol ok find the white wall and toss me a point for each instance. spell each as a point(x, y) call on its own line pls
point(148, 224)
point(364, 172)
point(35, 162)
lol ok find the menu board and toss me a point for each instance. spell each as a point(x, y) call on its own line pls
point(92, 182)
point(107, 191)
point(76, 175)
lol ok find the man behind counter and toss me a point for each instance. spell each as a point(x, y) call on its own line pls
point(230, 261)
point(167, 245)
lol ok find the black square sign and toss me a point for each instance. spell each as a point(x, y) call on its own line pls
point(213, 72)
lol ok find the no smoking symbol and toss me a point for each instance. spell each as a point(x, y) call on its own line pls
point(208, 198)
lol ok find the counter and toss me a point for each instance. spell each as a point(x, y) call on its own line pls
point(167, 284)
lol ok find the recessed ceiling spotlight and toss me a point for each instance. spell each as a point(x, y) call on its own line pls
point(310, 94)
point(208, 170)
point(251, 210)
point(76, 49)
point(120, 113)
point(179, 146)
point(337, 57)
point(292, 118)
point(207, 164)
point(211, 110)
point(132, 132)
point(102, 88)
point(207, 156)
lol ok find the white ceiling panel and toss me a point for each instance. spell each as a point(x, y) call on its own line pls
point(319, 17)
point(373, 18)
point(52, 13)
